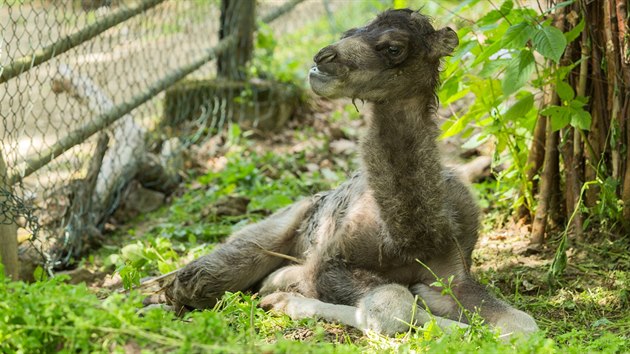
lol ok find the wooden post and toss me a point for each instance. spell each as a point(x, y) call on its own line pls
point(237, 16)
point(8, 228)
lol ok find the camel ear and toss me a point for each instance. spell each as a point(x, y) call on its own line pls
point(443, 42)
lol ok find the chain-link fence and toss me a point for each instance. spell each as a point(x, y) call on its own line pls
point(82, 90)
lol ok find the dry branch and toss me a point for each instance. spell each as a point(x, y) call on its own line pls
point(574, 152)
point(81, 233)
point(546, 185)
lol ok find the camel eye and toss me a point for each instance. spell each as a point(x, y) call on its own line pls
point(394, 50)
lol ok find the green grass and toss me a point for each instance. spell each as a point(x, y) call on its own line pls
point(53, 316)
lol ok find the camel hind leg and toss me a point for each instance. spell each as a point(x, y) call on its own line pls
point(242, 261)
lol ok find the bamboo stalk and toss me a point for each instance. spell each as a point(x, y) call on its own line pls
point(537, 149)
point(571, 179)
point(594, 141)
point(536, 156)
point(555, 218)
point(554, 215)
point(575, 172)
point(547, 211)
point(624, 51)
point(28, 62)
point(625, 196)
point(612, 73)
point(539, 224)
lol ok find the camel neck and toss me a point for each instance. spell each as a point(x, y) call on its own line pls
point(404, 171)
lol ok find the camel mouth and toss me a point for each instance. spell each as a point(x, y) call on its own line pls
point(318, 77)
point(319, 73)
point(323, 83)
point(329, 69)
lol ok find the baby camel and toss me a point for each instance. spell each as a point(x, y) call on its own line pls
point(359, 246)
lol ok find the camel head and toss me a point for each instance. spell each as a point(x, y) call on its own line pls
point(396, 56)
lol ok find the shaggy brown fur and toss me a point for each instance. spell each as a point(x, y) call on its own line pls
point(359, 245)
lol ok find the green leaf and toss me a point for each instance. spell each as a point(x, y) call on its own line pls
point(520, 108)
point(550, 110)
point(506, 7)
point(581, 99)
point(475, 141)
point(565, 91)
point(264, 37)
point(38, 274)
point(450, 87)
point(494, 16)
point(550, 42)
point(580, 118)
point(275, 201)
point(456, 96)
point(575, 31)
point(563, 71)
point(400, 4)
point(560, 116)
point(165, 267)
point(455, 128)
point(487, 52)
point(491, 17)
point(517, 35)
point(491, 66)
point(518, 72)
point(462, 50)
point(132, 252)
point(559, 263)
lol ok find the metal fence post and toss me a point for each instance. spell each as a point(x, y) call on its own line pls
point(8, 229)
point(237, 16)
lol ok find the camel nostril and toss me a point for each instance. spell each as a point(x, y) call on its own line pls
point(326, 55)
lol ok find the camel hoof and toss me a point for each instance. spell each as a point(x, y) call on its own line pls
point(277, 301)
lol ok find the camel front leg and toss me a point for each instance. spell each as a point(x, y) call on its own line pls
point(246, 258)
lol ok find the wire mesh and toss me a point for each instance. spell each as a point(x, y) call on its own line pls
point(41, 105)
